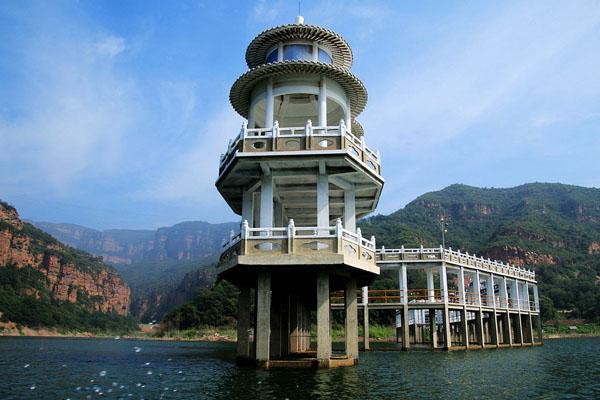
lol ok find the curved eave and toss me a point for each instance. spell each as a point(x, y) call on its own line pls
point(239, 96)
point(357, 129)
point(258, 48)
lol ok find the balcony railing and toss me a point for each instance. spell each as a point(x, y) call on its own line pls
point(438, 253)
point(299, 241)
point(302, 138)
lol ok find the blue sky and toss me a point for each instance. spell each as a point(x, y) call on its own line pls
point(113, 114)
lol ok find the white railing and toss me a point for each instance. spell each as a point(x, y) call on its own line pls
point(465, 259)
point(300, 232)
point(298, 131)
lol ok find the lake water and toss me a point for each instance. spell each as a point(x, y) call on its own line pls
point(34, 368)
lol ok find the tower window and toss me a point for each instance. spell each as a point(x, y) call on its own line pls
point(297, 52)
point(324, 56)
point(273, 56)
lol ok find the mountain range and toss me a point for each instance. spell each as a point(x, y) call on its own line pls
point(153, 262)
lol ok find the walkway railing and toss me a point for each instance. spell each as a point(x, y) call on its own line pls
point(301, 138)
point(300, 240)
point(456, 257)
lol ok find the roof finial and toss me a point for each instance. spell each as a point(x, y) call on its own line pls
point(300, 18)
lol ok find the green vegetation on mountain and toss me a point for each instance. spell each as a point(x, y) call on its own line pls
point(45, 284)
point(551, 228)
point(26, 300)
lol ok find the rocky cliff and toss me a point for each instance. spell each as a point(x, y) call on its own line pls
point(70, 275)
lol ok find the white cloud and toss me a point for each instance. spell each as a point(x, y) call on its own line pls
point(77, 110)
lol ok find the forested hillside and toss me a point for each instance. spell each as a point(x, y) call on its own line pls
point(552, 228)
point(44, 283)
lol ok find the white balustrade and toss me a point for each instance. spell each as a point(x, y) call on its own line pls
point(298, 131)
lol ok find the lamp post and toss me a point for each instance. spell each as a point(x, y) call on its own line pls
point(443, 227)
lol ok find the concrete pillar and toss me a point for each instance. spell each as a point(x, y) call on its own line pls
point(431, 286)
point(365, 298)
point(275, 345)
point(266, 201)
point(248, 207)
point(350, 210)
point(323, 323)
point(263, 318)
point(322, 201)
point(403, 282)
point(351, 323)
point(444, 283)
point(269, 105)
point(433, 329)
point(477, 287)
point(447, 333)
point(243, 324)
point(529, 325)
point(507, 329)
point(295, 324)
point(461, 285)
point(479, 327)
point(322, 102)
point(536, 298)
point(464, 325)
point(494, 328)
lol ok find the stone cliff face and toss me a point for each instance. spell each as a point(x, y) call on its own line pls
point(520, 257)
point(73, 277)
point(186, 241)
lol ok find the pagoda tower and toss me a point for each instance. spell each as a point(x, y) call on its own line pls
point(299, 173)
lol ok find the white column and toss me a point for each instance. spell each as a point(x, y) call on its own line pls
point(322, 102)
point(350, 210)
point(527, 303)
point(461, 285)
point(536, 298)
point(477, 287)
point(444, 282)
point(269, 105)
point(430, 286)
point(349, 120)
point(403, 284)
point(322, 201)
point(517, 296)
point(503, 295)
point(266, 201)
point(248, 207)
point(489, 284)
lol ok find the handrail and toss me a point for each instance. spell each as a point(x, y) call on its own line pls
point(301, 232)
point(461, 258)
point(296, 131)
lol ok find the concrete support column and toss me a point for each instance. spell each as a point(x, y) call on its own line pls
point(461, 286)
point(322, 110)
point(323, 323)
point(477, 287)
point(248, 207)
point(506, 330)
point(404, 298)
point(536, 298)
point(529, 328)
point(269, 104)
point(295, 324)
point(266, 201)
point(464, 326)
point(365, 299)
point(243, 324)
point(447, 332)
point(351, 323)
point(433, 329)
point(350, 210)
point(479, 328)
point(494, 328)
point(430, 286)
point(444, 283)
point(263, 318)
point(322, 201)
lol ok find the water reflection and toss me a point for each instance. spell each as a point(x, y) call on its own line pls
point(111, 369)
